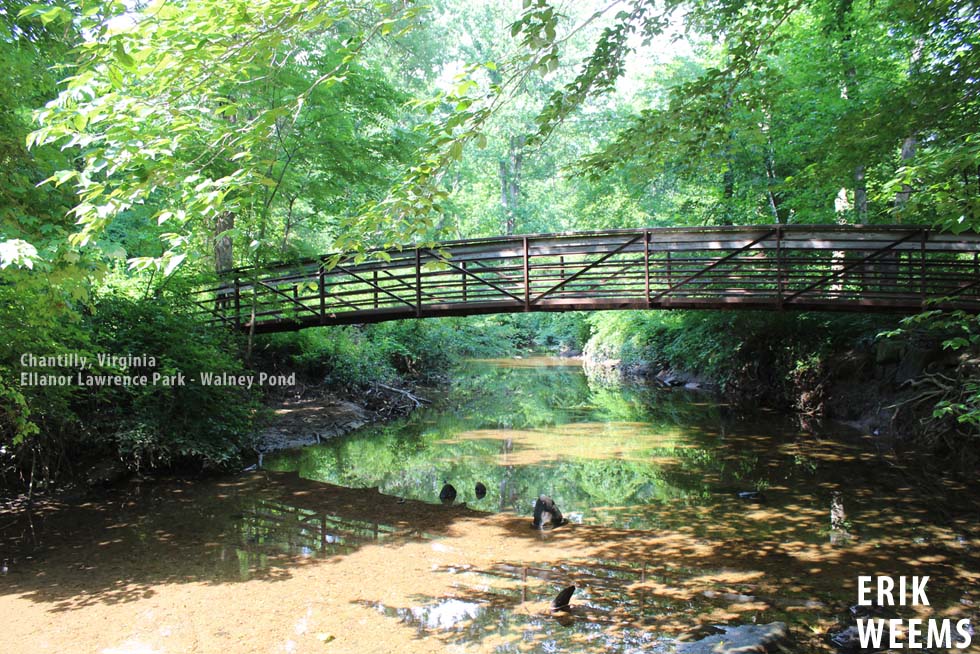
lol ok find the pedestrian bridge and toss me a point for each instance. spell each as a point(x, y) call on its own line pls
point(902, 269)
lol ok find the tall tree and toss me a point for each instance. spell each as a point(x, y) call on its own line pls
point(196, 111)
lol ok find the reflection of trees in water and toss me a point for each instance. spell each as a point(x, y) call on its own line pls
point(529, 431)
point(522, 398)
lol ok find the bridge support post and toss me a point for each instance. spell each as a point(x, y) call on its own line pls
point(418, 282)
point(323, 293)
point(527, 278)
point(238, 303)
point(779, 267)
point(646, 266)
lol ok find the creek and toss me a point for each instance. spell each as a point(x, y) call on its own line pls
point(680, 513)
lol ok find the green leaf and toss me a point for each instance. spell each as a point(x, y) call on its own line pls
point(173, 262)
point(122, 57)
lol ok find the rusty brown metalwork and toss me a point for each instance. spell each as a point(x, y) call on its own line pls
point(901, 269)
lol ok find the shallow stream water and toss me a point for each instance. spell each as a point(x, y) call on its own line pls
point(344, 546)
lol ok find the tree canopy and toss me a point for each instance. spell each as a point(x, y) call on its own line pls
point(337, 125)
point(146, 146)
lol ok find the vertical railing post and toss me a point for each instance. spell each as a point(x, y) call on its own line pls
point(646, 266)
point(374, 278)
point(465, 282)
point(321, 282)
point(670, 276)
point(976, 269)
point(238, 303)
point(922, 267)
point(527, 278)
point(418, 282)
point(779, 266)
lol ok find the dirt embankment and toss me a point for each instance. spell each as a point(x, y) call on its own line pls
point(888, 388)
point(891, 389)
point(312, 414)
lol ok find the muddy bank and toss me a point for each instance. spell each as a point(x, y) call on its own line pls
point(297, 416)
point(891, 389)
point(314, 414)
point(887, 388)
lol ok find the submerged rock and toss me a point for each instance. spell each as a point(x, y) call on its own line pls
point(700, 633)
point(752, 496)
point(448, 494)
point(106, 473)
point(874, 610)
point(546, 514)
point(560, 603)
point(742, 639)
point(849, 639)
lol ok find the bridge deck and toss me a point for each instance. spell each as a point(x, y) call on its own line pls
point(799, 267)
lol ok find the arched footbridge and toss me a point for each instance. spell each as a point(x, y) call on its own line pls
point(782, 267)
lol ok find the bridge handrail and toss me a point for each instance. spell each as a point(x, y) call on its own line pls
point(832, 267)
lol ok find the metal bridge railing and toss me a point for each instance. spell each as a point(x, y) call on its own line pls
point(804, 267)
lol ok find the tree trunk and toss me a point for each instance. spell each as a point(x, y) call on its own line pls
point(224, 259)
point(505, 209)
point(728, 194)
point(850, 92)
point(860, 195)
point(728, 177)
point(516, 162)
point(774, 199)
point(902, 196)
point(510, 183)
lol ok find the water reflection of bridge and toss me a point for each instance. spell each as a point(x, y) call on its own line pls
point(307, 531)
point(803, 267)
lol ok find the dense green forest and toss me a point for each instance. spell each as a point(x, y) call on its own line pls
point(148, 146)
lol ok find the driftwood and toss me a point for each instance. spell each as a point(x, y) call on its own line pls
point(416, 400)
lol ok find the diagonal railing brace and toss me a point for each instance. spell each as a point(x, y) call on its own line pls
point(373, 285)
point(405, 284)
point(860, 262)
point(588, 268)
point(474, 276)
point(291, 299)
point(713, 264)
